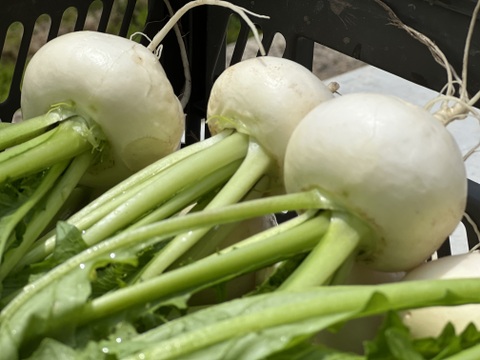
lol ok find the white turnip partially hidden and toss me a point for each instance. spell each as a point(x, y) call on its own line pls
point(265, 97)
point(431, 321)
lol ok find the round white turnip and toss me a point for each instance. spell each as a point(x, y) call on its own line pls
point(265, 97)
point(389, 163)
point(117, 83)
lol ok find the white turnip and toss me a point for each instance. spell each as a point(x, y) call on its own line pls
point(283, 93)
point(391, 164)
point(116, 83)
point(430, 321)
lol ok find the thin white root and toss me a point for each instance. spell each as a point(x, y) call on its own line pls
point(437, 54)
point(158, 51)
point(468, 41)
point(242, 12)
point(187, 89)
point(463, 104)
point(471, 151)
point(448, 113)
point(139, 33)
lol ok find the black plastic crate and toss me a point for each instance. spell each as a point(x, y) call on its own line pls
point(357, 28)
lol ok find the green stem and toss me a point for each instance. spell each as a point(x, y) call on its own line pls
point(256, 164)
point(342, 239)
point(134, 183)
point(28, 129)
point(64, 142)
point(472, 353)
point(189, 195)
point(216, 237)
point(344, 271)
point(8, 222)
point(280, 228)
point(170, 207)
point(52, 204)
point(210, 270)
point(147, 235)
point(265, 234)
point(146, 190)
point(25, 146)
point(180, 176)
point(332, 304)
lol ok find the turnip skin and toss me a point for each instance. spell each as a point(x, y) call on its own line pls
point(389, 163)
point(285, 92)
point(426, 322)
point(137, 111)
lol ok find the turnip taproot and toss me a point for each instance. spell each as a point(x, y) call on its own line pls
point(391, 164)
point(393, 168)
point(289, 90)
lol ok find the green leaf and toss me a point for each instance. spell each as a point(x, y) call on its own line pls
point(15, 193)
point(68, 243)
point(246, 345)
point(53, 349)
point(13, 219)
point(52, 307)
point(395, 342)
point(392, 341)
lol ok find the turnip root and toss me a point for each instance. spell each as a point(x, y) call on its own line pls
point(430, 321)
point(115, 82)
point(97, 108)
point(289, 99)
point(394, 172)
point(98, 105)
